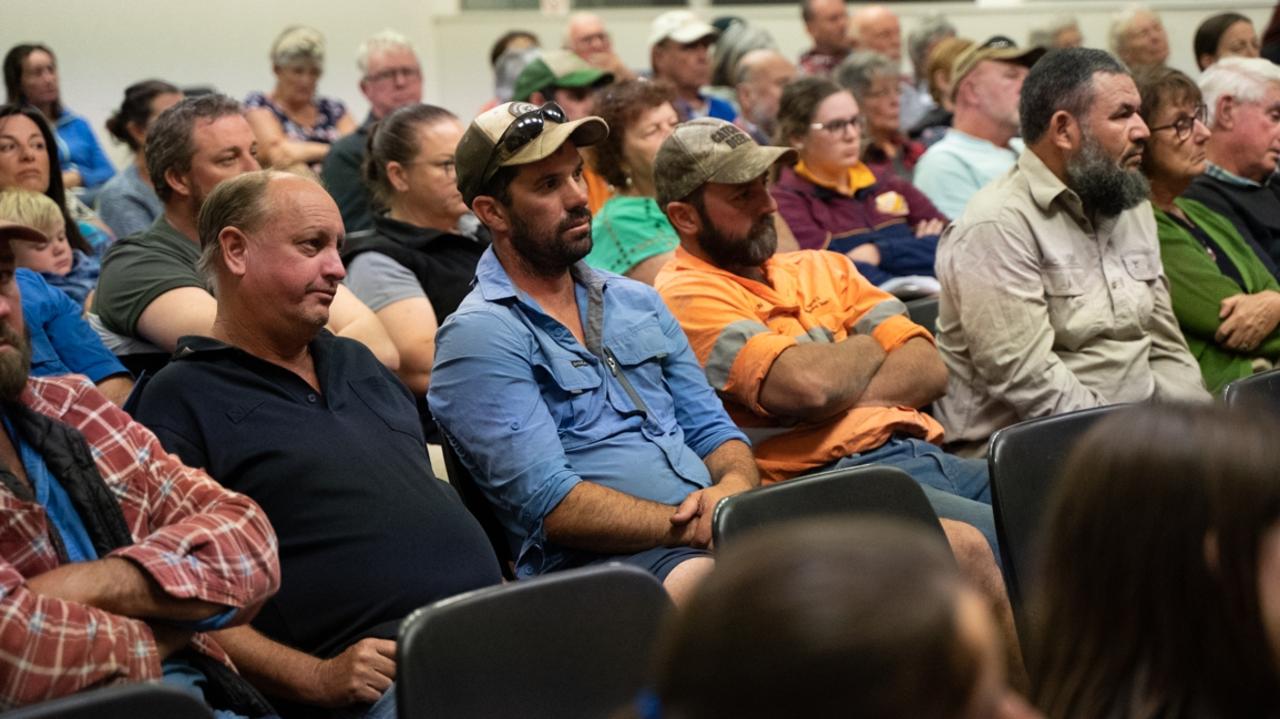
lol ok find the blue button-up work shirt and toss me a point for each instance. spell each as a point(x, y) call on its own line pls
point(534, 412)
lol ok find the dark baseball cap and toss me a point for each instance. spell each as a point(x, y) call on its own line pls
point(710, 150)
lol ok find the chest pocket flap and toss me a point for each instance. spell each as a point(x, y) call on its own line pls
point(574, 374)
point(1064, 281)
point(1143, 266)
point(639, 344)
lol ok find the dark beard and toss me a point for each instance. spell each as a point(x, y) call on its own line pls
point(549, 254)
point(734, 253)
point(1105, 188)
point(15, 367)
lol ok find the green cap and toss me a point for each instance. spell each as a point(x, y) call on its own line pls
point(557, 68)
point(710, 150)
point(480, 142)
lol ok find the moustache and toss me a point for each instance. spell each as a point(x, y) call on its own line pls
point(574, 217)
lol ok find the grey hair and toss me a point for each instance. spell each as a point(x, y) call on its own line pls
point(382, 42)
point(1244, 78)
point(1043, 36)
point(1120, 25)
point(858, 71)
point(298, 44)
point(931, 29)
point(169, 139)
point(1062, 80)
point(239, 202)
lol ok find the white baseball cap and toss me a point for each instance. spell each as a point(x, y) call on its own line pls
point(681, 26)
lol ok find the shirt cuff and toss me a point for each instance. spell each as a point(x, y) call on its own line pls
point(896, 331)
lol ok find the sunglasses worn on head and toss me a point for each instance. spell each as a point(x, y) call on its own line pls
point(526, 128)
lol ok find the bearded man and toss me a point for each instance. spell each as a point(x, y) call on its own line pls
point(1053, 295)
point(572, 395)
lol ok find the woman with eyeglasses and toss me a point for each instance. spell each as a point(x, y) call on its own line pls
point(1225, 294)
point(415, 265)
point(875, 83)
point(832, 200)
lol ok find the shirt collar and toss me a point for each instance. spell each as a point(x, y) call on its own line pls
point(776, 289)
point(496, 285)
point(1045, 186)
point(860, 177)
point(1219, 173)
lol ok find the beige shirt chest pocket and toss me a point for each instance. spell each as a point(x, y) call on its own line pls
point(1076, 301)
point(1141, 275)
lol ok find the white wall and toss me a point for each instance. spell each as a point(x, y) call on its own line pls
point(101, 48)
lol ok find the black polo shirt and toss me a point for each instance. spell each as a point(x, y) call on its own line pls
point(367, 533)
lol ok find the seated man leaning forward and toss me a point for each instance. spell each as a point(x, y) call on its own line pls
point(114, 557)
point(1053, 296)
point(572, 395)
point(273, 405)
point(149, 293)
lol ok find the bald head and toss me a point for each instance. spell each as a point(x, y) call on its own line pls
point(760, 77)
point(876, 28)
point(586, 36)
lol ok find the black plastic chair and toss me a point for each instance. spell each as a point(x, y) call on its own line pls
point(568, 645)
point(924, 312)
point(871, 489)
point(474, 500)
point(1260, 391)
point(1024, 461)
point(129, 701)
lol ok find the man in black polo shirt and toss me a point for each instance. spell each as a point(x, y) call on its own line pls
point(325, 438)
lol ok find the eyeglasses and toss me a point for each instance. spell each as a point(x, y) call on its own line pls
point(837, 127)
point(392, 73)
point(448, 167)
point(1186, 124)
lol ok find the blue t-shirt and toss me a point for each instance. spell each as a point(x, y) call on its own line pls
point(954, 168)
point(533, 412)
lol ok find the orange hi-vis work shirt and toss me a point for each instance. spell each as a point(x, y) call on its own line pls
point(738, 327)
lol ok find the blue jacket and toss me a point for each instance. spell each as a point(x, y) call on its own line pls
point(83, 151)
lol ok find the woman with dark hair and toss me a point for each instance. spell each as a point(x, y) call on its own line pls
point(1227, 34)
point(630, 235)
point(1224, 292)
point(31, 78)
point(832, 200)
point(875, 83)
point(29, 161)
point(1160, 595)
point(866, 618)
point(414, 267)
point(128, 202)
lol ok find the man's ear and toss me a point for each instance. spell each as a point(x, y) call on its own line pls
point(492, 214)
point(1064, 130)
point(1224, 113)
point(684, 218)
point(235, 250)
point(397, 175)
point(180, 184)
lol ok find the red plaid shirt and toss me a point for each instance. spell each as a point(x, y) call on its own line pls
point(195, 538)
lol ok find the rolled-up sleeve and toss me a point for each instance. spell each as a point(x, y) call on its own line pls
point(484, 394)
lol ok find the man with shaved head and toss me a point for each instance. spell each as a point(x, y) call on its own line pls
point(876, 28)
point(759, 79)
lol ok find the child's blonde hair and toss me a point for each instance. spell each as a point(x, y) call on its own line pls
point(29, 208)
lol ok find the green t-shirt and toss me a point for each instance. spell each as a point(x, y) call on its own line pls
point(628, 231)
point(140, 268)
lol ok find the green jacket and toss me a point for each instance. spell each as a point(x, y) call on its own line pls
point(1198, 287)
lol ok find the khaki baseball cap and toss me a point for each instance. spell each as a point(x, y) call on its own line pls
point(558, 68)
point(682, 26)
point(710, 150)
point(997, 47)
point(481, 152)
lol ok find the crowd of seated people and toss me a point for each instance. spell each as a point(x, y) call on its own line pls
point(618, 296)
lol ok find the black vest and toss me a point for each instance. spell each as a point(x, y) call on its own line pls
point(443, 262)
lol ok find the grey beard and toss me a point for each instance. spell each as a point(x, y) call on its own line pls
point(1104, 187)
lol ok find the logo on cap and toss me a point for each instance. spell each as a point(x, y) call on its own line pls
point(520, 108)
point(731, 135)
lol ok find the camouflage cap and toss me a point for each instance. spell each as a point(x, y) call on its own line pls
point(480, 155)
point(709, 150)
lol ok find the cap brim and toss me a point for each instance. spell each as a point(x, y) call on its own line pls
point(1018, 56)
point(584, 133)
point(584, 78)
point(754, 164)
point(693, 32)
point(14, 231)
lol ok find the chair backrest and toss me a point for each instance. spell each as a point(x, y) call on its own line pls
point(1024, 461)
point(924, 312)
point(568, 645)
point(474, 500)
point(870, 489)
point(1261, 390)
point(129, 701)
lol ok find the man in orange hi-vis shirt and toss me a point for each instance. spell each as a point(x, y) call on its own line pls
point(818, 366)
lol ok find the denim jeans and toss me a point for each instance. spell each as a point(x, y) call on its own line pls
point(957, 488)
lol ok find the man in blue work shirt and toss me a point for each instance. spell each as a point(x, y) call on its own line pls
point(572, 395)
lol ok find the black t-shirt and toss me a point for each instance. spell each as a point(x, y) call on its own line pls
point(367, 534)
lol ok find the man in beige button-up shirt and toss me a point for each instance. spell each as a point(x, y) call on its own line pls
point(1053, 295)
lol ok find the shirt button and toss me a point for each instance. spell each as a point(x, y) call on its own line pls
point(1115, 285)
point(312, 398)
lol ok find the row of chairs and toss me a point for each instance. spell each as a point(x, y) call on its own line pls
point(577, 643)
